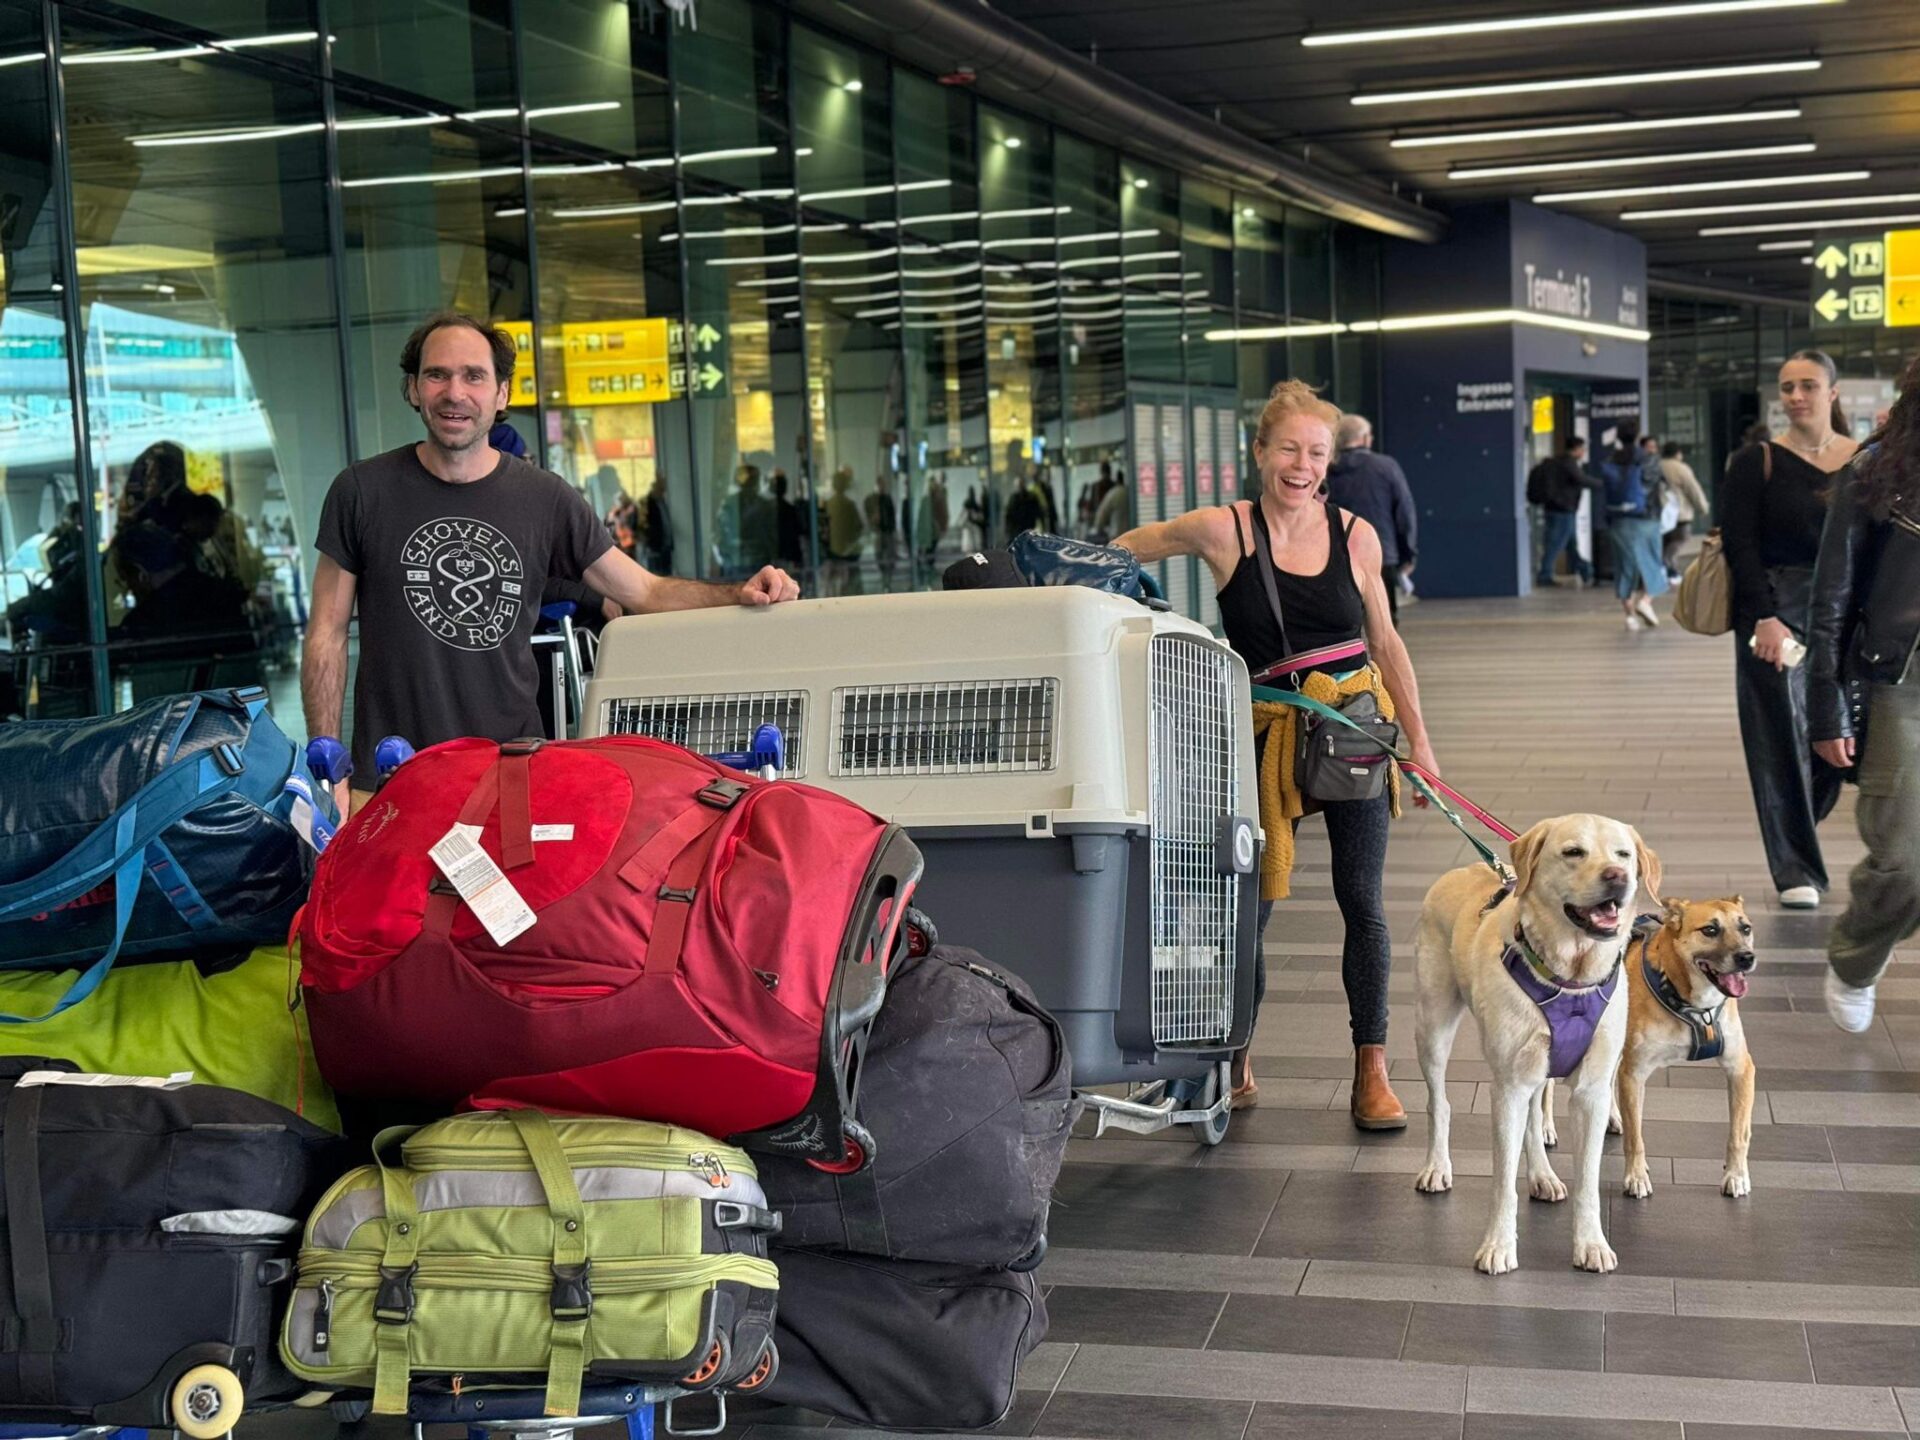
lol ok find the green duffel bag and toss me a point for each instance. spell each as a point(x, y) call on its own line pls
point(509, 1248)
point(242, 1028)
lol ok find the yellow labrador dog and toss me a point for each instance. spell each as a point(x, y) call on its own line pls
point(1541, 970)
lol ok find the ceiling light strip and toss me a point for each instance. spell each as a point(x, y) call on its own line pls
point(1587, 82)
point(1831, 202)
point(1564, 20)
point(1601, 127)
point(1456, 320)
point(1817, 222)
point(1626, 162)
point(1760, 182)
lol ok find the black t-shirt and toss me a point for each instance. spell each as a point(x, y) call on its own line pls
point(1772, 514)
point(449, 584)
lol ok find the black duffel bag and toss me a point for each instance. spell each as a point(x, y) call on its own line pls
point(968, 1089)
point(150, 1235)
point(902, 1345)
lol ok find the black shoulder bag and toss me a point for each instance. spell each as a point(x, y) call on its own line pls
point(1331, 762)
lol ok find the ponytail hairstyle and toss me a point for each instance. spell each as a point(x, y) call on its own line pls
point(1836, 417)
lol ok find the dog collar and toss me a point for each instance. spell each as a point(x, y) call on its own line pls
point(1706, 1037)
point(1572, 1013)
point(1545, 975)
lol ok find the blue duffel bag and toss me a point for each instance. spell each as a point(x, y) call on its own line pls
point(163, 833)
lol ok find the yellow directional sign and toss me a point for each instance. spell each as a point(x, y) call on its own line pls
point(617, 362)
point(525, 390)
point(1868, 280)
point(1903, 277)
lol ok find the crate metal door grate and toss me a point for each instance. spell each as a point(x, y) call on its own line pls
point(1192, 754)
point(715, 724)
point(966, 727)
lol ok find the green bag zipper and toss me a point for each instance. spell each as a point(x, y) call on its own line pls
point(633, 1275)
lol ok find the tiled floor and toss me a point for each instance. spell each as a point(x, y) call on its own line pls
point(1292, 1283)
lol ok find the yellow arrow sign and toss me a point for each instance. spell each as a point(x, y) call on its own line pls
point(1831, 306)
point(1830, 262)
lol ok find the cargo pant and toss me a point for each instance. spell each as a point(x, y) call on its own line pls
point(1884, 907)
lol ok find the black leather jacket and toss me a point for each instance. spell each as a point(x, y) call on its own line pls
point(1865, 619)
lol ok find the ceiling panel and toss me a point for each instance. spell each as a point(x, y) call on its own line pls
point(1245, 63)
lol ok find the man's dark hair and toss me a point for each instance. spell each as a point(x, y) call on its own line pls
point(497, 340)
point(1670, 450)
point(1576, 443)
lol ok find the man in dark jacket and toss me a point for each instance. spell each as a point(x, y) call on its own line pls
point(1556, 485)
point(1374, 487)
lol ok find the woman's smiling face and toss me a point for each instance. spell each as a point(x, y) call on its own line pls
point(1294, 459)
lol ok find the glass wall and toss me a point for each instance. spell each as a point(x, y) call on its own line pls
point(775, 300)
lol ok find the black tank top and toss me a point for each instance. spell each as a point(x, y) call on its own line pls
point(1323, 609)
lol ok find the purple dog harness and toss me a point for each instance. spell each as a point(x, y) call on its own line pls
point(1571, 1014)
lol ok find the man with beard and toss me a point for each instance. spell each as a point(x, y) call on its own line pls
point(447, 545)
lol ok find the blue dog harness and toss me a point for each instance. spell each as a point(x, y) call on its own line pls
point(1706, 1038)
point(1572, 1013)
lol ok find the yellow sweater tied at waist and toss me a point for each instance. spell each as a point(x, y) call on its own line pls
point(1281, 802)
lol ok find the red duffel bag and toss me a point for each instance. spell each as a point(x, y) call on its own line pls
point(707, 948)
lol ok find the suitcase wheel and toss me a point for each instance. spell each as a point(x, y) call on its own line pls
point(206, 1402)
point(857, 1141)
point(922, 934)
point(711, 1368)
point(764, 1369)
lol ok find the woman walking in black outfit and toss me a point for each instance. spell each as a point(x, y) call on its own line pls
point(1327, 569)
point(1773, 506)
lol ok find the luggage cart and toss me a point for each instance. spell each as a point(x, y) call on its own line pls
point(1078, 770)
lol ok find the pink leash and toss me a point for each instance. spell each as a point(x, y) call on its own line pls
point(1487, 818)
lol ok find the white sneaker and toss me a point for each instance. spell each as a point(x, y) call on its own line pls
point(1800, 897)
point(1850, 1007)
point(1634, 622)
point(1645, 611)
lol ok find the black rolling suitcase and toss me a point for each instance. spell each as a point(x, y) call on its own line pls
point(150, 1231)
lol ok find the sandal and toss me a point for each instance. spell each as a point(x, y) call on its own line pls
point(1244, 1097)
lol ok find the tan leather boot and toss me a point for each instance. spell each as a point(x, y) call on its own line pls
point(1246, 1094)
point(1375, 1106)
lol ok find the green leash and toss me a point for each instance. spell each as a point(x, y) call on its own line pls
point(1428, 785)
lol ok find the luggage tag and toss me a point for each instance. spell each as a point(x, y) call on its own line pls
point(306, 817)
point(482, 884)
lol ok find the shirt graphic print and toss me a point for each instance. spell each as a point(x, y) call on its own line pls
point(464, 582)
point(448, 580)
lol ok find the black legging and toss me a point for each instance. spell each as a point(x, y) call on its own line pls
point(1357, 838)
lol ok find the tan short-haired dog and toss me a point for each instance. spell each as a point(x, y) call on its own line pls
point(1684, 983)
point(1541, 970)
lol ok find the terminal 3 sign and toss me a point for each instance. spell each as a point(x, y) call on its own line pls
point(1868, 279)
